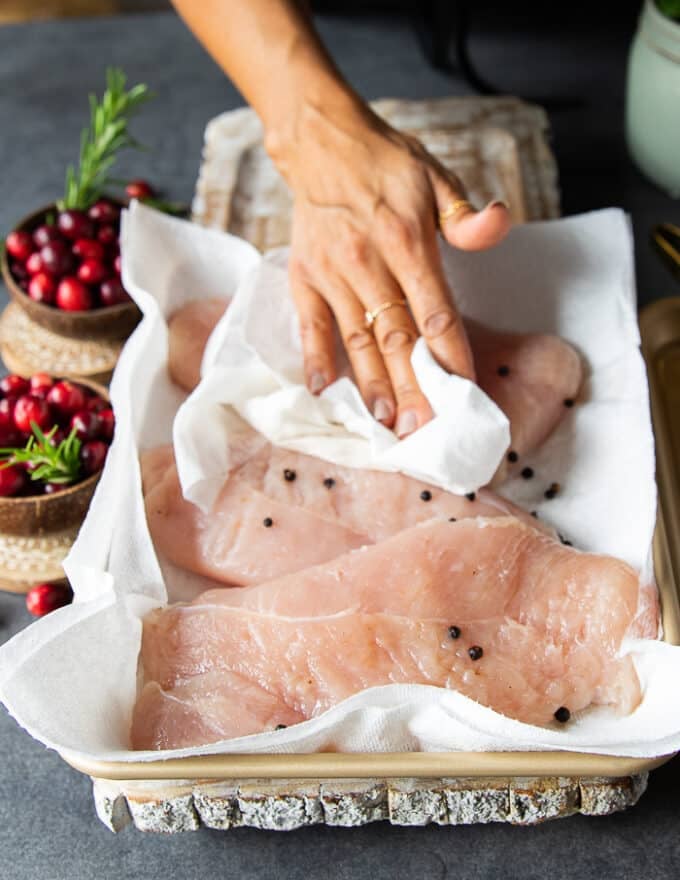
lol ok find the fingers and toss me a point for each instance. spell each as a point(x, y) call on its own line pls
point(467, 228)
point(369, 368)
point(415, 262)
point(394, 334)
point(316, 333)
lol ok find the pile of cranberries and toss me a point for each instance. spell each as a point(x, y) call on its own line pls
point(51, 403)
point(72, 264)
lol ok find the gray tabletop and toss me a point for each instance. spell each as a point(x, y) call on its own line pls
point(48, 828)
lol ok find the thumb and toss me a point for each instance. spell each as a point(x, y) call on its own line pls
point(463, 226)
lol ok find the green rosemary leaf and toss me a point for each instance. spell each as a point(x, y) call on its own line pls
point(101, 141)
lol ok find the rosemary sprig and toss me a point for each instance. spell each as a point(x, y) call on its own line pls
point(54, 464)
point(102, 140)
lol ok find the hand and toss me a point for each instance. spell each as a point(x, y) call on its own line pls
point(365, 223)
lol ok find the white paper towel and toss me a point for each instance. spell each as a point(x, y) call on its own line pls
point(70, 678)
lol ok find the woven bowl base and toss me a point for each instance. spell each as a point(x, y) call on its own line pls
point(27, 561)
point(28, 348)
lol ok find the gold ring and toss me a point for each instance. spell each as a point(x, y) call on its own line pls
point(383, 307)
point(453, 208)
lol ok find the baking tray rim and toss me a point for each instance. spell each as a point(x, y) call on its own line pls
point(367, 765)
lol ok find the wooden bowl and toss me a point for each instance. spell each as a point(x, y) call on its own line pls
point(38, 515)
point(113, 322)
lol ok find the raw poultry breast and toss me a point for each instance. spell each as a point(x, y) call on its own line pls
point(489, 607)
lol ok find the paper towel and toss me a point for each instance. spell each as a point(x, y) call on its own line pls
point(70, 678)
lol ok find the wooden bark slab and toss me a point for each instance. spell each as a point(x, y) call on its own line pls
point(283, 805)
point(497, 146)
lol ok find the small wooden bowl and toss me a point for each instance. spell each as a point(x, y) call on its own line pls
point(113, 322)
point(37, 515)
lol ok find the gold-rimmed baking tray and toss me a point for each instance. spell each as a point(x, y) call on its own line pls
point(660, 329)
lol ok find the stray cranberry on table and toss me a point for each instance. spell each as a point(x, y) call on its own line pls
point(140, 189)
point(43, 598)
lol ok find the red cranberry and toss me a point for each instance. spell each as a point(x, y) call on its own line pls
point(19, 270)
point(73, 296)
point(139, 189)
point(14, 386)
point(66, 397)
point(30, 408)
point(93, 456)
point(89, 249)
point(56, 438)
point(107, 235)
point(96, 404)
point(56, 257)
point(41, 384)
point(112, 292)
point(43, 598)
point(41, 288)
point(45, 234)
point(12, 480)
point(34, 264)
point(7, 415)
point(92, 271)
point(118, 265)
point(75, 224)
point(104, 211)
point(86, 424)
point(107, 423)
point(53, 488)
point(19, 245)
point(10, 438)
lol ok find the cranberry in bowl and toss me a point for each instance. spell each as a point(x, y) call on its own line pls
point(54, 438)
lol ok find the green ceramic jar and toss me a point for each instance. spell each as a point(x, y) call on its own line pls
point(653, 98)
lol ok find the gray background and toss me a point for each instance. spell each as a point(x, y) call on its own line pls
point(48, 828)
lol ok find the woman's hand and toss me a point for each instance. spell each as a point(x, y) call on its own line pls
point(367, 202)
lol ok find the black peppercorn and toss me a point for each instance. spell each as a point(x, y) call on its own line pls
point(329, 482)
point(267, 522)
point(475, 652)
point(426, 495)
point(534, 514)
point(281, 727)
point(552, 490)
point(512, 456)
point(569, 402)
point(289, 475)
point(452, 519)
point(527, 473)
point(470, 496)
point(562, 715)
point(504, 370)
point(454, 632)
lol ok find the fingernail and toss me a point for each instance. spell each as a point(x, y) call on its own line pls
point(499, 203)
point(406, 423)
point(383, 410)
point(317, 382)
